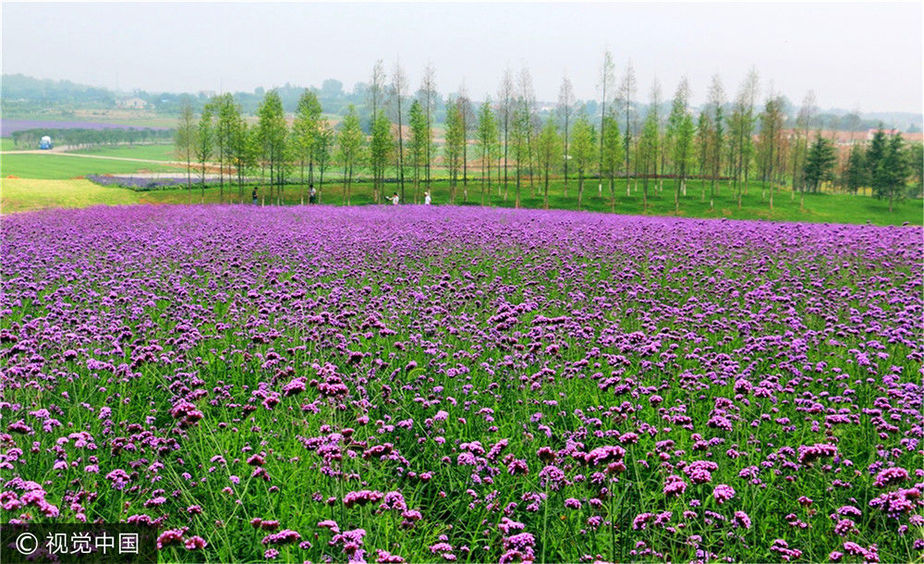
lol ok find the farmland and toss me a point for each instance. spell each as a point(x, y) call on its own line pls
point(446, 383)
point(63, 166)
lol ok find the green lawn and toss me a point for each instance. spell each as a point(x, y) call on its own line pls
point(25, 194)
point(164, 152)
point(52, 166)
point(824, 207)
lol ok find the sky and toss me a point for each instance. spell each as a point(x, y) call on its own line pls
point(854, 55)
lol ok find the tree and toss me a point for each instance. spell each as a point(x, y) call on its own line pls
point(916, 161)
point(626, 91)
point(241, 150)
point(741, 129)
point(819, 164)
point(418, 143)
point(648, 151)
point(323, 144)
point(398, 92)
point(583, 150)
point(204, 144)
point(612, 153)
point(607, 75)
point(548, 149)
point(349, 148)
point(376, 91)
point(428, 92)
point(380, 150)
point(467, 116)
point(305, 133)
point(272, 128)
point(505, 111)
point(804, 122)
point(565, 109)
point(855, 173)
point(771, 125)
point(455, 140)
point(185, 140)
point(891, 171)
point(679, 139)
point(875, 154)
point(703, 135)
point(520, 140)
point(229, 114)
point(715, 104)
point(487, 143)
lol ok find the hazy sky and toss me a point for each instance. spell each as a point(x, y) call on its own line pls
point(853, 55)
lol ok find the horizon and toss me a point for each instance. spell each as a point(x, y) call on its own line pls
point(119, 52)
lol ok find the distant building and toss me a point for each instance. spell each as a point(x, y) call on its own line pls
point(134, 103)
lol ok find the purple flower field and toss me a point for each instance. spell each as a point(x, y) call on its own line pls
point(460, 384)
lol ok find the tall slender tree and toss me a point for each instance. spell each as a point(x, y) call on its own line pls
point(428, 99)
point(583, 148)
point(185, 139)
point(305, 133)
point(418, 143)
point(455, 140)
point(626, 92)
point(612, 152)
point(273, 132)
point(565, 109)
point(468, 120)
point(607, 76)
point(204, 146)
point(376, 91)
point(349, 149)
point(398, 92)
point(770, 140)
point(505, 112)
point(381, 147)
point(548, 146)
point(487, 143)
point(716, 107)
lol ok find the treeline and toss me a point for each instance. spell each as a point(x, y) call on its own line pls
point(87, 138)
point(507, 142)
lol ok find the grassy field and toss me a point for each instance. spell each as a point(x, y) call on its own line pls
point(29, 194)
point(161, 152)
point(819, 208)
point(52, 166)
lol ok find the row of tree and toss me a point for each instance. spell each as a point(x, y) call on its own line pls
point(508, 142)
point(87, 138)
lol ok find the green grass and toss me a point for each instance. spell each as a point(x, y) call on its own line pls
point(19, 195)
point(160, 152)
point(818, 208)
point(52, 166)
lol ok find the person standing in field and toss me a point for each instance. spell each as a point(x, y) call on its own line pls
point(427, 198)
point(254, 195)
point(312, 195)
point(394, 199)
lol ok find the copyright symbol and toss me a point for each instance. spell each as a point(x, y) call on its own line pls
point(26, 543)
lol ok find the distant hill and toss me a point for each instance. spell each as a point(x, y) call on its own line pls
point(25, 97)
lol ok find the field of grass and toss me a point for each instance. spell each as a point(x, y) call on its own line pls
point(161, 152)
point(818, 208)
point(462, 384)
point(56, 166)
point(21, 194)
